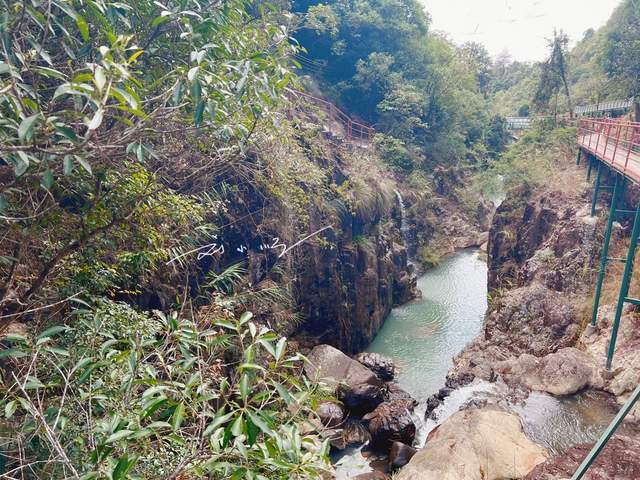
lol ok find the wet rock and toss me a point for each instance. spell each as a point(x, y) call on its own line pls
point(380, 464)
point(475, 444)
point(394, 392)
point(433, 402)
point(400, 455)
point(330, 365)
point(361, 398)
point(444, 392)
point(564, 372)
point(355, 432)
point(336, 438)
point(404, 279)
point(330, 414)
point(618, 461)
point(389, 422)
point(382, 366)
point(358, 388)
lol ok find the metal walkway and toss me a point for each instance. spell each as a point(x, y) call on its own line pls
point(614, 142)
point(612, 145)
point(351, 131)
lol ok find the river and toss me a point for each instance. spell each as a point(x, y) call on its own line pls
point(422, 337)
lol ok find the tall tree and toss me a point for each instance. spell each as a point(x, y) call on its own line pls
point(476, 57)
point(553, 77)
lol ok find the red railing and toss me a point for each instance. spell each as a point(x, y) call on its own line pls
point(614, 141)
point(353, 131)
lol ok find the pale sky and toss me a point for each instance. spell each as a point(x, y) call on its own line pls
point(519, 26)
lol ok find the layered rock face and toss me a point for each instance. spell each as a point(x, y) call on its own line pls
point(344, 264)
point(443, 218)
point(345, 293)
point(541, 253)
point(475, 444)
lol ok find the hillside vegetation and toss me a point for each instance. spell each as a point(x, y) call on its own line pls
point(603, 65)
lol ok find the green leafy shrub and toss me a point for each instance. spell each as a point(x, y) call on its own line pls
point(123, 394)
point(394, 152)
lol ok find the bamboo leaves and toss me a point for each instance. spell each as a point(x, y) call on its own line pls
point(26, 128)
point(243, 418)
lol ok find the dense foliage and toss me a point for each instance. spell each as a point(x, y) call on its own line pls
point(603, 65)
point(129, 395)
point(379, 60)
point(118, 122)
point(621, 60)
point(91, 95)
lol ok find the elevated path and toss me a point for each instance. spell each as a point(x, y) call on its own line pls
point(613, 146)
point(614, 142)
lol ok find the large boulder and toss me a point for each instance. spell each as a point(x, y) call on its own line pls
point(475, 444)
point(358, 387)
point(564, 372)
point(361, 398)
point(391, 421)
point(329, 365)
point(355, 432)
point(382, 366)
point(400, 455)
point(394, 392)
point(618, 461)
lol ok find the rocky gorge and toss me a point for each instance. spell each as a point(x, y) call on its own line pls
point(543, 246)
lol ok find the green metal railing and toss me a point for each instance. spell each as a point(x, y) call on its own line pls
point(606, 436)
point(621, 178)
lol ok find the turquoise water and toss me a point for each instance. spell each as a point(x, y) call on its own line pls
point(423, 336)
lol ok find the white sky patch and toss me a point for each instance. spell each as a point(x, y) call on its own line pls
point(519, 26)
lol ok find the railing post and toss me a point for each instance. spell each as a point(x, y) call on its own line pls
point(615, 148)
point(630, 145)
point(599, 135)
point(605, 250)
point(596, 188)
point(624, 287)
point(608, 433)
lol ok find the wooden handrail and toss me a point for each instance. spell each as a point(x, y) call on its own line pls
point(353, 129)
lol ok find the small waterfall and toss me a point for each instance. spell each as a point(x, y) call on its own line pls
point(405, 229)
